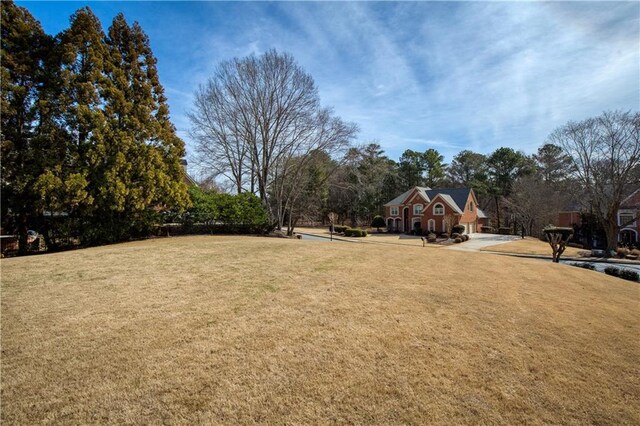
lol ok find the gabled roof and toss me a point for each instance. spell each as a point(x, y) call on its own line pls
point(449, 200)
point(459, 196)
point(422, 190)
point(481, 214)
point(632, 201)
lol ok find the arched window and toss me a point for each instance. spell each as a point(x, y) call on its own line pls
point(431, 225)
point(438, 209)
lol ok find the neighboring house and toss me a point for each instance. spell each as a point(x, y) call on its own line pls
point(186, 177)
point(627, 218)
point(434, 210)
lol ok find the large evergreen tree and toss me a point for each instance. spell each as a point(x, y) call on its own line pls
point(23, 50)
point(136, 163)
point(504, 166)
point(85, 128)
point(73, 121)
point(434, 167)
point(410, 169)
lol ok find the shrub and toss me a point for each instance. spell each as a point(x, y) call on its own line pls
point(340, 228)
point(610, 270)
point(465, 237)
point(457, 229)
point(505, 230)
point(635, 252)
point(628, 274)
point(444, 235)
point(584, 265)
point(488, 230)
point(455, 235)
point(355, 232)
point(378, 222)
point(621, 252)
point(457, 240)
point(431, 237)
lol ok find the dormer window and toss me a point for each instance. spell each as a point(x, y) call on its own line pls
point(438, 210)
point(417, 209)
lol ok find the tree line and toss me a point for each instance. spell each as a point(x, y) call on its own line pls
point(259, 128)
point(88, 148)
point(87, 144)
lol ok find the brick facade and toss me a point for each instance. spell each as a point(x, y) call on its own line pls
point(434, 210)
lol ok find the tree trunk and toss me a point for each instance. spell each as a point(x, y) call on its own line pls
point(497, 212)
point(611, 231)
point(22, 234)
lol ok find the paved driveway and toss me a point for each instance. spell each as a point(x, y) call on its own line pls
point(479, 241)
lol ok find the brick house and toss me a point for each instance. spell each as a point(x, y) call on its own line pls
point(434, 210)
point(627, 219)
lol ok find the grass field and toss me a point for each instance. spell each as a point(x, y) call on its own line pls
point(233, 330)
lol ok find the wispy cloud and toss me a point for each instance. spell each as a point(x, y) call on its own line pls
point(451, 76)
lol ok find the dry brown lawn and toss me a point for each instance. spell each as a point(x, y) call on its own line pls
point(374, 237)
point(237, 330)
point(531, 245)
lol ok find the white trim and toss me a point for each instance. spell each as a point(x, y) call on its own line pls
point(421, 209)
point(389, 219)
point(444, 225)
point(396, 213)
point(449, 202)
point(414, 221)
point(626, 213)
point(431, 225)
point(627, 229)
point(414, 196)
point(434, 209)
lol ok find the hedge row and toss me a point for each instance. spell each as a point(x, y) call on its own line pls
point(625, 274)
point(355, 232)
point(202, 228)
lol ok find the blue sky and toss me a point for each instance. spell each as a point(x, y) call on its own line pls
point(443, 75)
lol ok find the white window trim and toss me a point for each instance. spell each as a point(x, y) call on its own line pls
point(414, 209)
point(431, 225)
point(626, 213)
point(436, 206)
point(396, 209)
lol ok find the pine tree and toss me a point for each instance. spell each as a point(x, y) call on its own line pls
point(139, 159)
point(74, 118)
point(434, 168)
point(23, 45)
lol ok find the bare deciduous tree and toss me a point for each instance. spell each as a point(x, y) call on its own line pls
point(535, 202)
point(257, 122)
point(605, 152)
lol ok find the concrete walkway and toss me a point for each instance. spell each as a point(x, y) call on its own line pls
point(480, 241)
